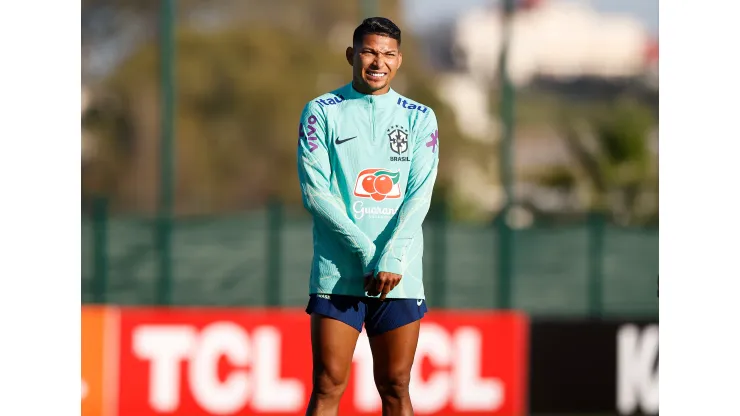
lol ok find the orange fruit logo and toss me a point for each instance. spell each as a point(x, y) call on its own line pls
point(378, 184)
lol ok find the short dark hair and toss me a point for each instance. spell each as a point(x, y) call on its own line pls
point(376, 26)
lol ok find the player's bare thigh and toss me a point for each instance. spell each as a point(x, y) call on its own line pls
point(393, 356)
point(333, 344)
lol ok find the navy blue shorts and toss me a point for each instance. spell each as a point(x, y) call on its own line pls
point(378, 316)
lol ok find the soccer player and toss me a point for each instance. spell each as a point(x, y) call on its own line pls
point(367, 162)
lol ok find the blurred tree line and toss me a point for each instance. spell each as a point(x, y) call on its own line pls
point(615, 161)
point(241, 85)
point(244, 70)
point(612, 145)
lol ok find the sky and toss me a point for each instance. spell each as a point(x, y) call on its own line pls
point(421, 13)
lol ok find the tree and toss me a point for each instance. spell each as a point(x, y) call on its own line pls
point(615, 160)
point(240, 91)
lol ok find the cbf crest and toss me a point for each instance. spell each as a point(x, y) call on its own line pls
point(399, 139)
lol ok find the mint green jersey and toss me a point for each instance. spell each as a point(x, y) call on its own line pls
point(367, 166)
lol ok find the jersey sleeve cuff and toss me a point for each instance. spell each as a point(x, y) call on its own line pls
point(391, 265)
point(392, 260)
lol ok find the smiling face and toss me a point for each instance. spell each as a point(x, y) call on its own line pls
point(375, 61)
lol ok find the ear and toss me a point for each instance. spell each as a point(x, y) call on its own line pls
point(350, 54)
point(400, 60)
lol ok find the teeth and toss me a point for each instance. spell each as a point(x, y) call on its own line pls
point(376, 74)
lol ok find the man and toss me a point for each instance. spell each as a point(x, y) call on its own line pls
point(367, 162)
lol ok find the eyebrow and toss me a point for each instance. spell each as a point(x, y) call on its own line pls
point(369, 49)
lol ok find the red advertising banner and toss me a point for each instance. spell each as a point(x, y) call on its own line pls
point(93, 360)
point(248, 361)
point(214, 362)
point(99, 353)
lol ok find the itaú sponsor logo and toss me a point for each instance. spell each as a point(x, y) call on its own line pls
point(411, 105)
point(330, 101)
point(361, 211)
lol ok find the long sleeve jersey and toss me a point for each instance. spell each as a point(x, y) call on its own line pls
point(367, 166)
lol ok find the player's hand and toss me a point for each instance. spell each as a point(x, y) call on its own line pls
point(384, 283)
point(370, 286)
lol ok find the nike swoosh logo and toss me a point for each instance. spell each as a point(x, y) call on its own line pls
point(419, 302)
point(338, 141)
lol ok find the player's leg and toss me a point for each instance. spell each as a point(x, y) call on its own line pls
point(393, 330)
point(335, 327)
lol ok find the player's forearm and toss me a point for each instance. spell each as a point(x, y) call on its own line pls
point(410, 218)
point(324, 207)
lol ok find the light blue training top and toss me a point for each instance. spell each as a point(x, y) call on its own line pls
point(367, 166)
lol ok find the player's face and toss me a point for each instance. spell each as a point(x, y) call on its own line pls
point(374, 63)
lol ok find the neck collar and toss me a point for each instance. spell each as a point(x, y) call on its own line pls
point(387, 99)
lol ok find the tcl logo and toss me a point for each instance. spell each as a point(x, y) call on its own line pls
point(453, 380)
point(465, 363)
point(254, 377)
point(236, 361)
